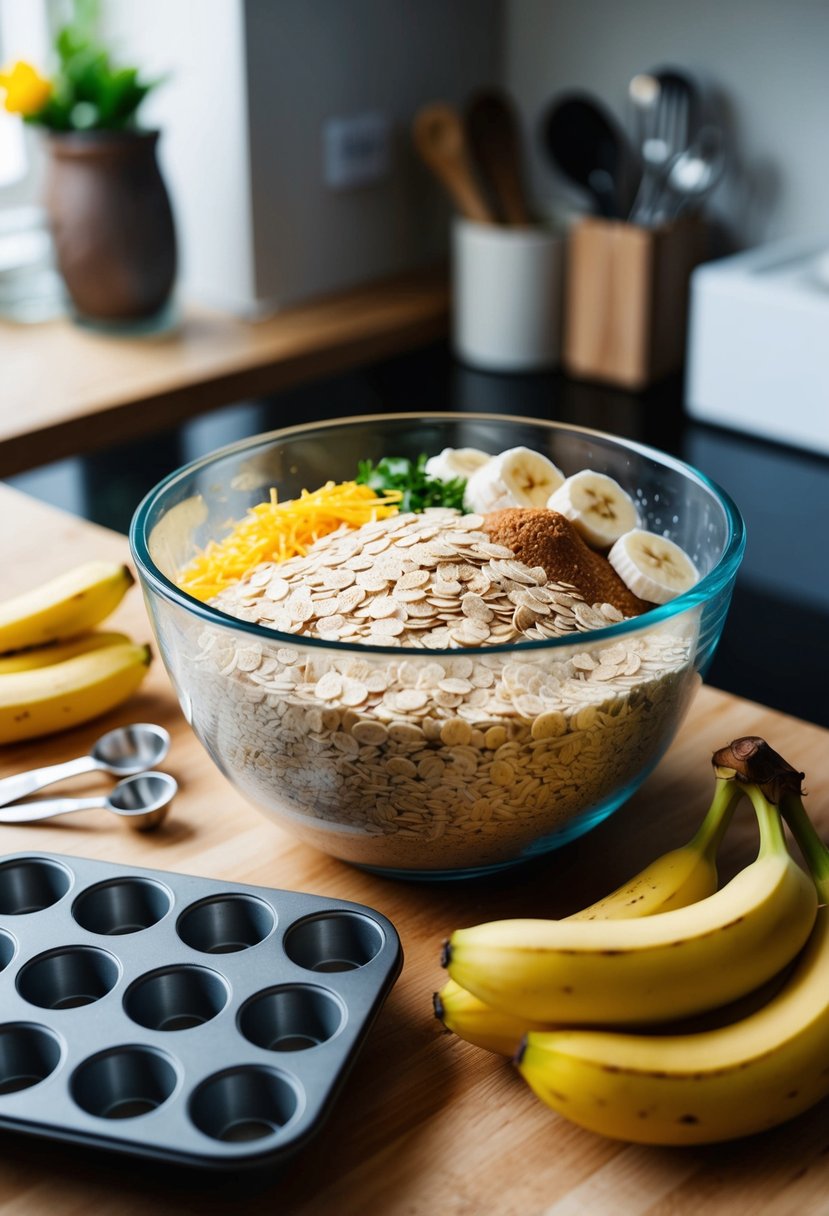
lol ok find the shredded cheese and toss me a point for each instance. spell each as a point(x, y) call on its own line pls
point(273, 531)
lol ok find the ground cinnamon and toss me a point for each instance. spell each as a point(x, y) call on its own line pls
point(540, 537)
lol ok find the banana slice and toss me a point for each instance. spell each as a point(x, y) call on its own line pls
point(455, 462)
point(653, 567)
point(597, 507)
point(517, 477)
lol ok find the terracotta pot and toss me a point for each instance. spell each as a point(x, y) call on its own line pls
point(112, 222)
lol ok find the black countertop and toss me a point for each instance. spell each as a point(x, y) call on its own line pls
point(775, 646)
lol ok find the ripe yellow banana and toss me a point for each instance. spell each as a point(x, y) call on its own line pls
point(502, 1033)
point(677, 878)
point(70, 604)
point(653, 969)
point(691, 1089)
point(58, 652)
point(674, 880)
point(53, 698)
point(476, 1022)
point(737, 1079)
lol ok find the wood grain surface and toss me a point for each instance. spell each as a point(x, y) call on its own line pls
point(68, 390)
point(425, 1123)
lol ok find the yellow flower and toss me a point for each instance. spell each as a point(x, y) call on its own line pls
point(26, 90)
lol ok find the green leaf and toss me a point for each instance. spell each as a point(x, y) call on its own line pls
point(69, 42)
point(419, 490)
point(90, 92)
point(116, 94)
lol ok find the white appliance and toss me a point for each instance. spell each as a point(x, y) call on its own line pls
point(758, 343)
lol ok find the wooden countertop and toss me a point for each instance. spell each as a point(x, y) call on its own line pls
point(68, 390)
point(425, 1123)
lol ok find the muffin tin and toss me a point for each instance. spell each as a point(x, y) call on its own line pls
point(176, 1017)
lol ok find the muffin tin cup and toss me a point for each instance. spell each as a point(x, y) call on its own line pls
point(179, 1018)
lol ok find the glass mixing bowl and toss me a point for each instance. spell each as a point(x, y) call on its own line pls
point(547, 740)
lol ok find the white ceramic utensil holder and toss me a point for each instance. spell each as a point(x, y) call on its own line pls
point(506, 309)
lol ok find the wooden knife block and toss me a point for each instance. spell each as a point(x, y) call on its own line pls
point(626, 299)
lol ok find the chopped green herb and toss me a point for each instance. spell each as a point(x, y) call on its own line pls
point(419, 489)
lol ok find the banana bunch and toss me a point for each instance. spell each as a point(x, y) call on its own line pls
point(687, 1016)
point(56, 671)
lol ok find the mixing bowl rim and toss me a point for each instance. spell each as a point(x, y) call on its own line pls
point(706, 589)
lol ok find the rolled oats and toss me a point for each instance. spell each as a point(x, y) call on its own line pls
point(431, 761)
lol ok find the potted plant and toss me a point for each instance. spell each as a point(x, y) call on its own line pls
point(105, 197)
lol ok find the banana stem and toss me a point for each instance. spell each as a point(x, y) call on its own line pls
point(708, 837)
point(810, 844)
point(770, 781)
point(750, 759)
point(772, 839)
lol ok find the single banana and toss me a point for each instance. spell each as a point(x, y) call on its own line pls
point(597, 507)
point(455, 462)
point(476, 1022)
point(49, 699)
point(653, 969)
point(679, 877)
point(472, 1020)
point(743, 1077)
point(67, 605)
point(517, 477)
point(674, 880)
point(57, 652)
point(651, 566)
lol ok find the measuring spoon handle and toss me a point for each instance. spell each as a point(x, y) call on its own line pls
point(30, 812)
point(12, 789)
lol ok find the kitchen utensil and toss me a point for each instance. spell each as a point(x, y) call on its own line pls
point(143, 800)
point(200, 1022)
point(586, 144)
point(692, 174)
point(440, 139)
point(120, 752)
point(494, 137)
point(643, 93)
point(400, 802)
point(666, 123)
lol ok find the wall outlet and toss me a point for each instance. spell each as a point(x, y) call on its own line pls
point(356, 150)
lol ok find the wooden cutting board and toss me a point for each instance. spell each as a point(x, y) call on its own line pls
point(425, 1123)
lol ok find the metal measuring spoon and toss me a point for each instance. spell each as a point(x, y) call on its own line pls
point(120, 752)
point(143, 800)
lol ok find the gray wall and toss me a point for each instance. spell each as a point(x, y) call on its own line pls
point(310, 60)
point(251, 83)
point(249, 87)
point(768, 58)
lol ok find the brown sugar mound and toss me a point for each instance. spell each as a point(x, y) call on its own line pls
point(540, 537)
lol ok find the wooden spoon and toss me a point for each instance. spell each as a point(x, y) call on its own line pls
point(439, 138)
point(493, 133)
